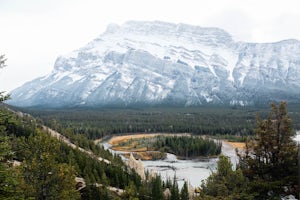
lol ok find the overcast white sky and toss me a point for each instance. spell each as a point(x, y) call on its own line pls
point(34, 32)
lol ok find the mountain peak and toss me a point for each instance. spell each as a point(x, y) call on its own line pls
point(158, 63)
point(178, 31)
point(112, 28)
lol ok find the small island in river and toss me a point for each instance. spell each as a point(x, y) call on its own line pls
point(155, 146)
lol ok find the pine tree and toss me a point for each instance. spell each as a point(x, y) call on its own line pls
point(157, 192)
point(174, 190)
point(184, 194)
point(130, 192)
point(3, 97)
point(10, 179)
point(2, 61)
point(44, 177)
point(270, 160)
point(225, 183)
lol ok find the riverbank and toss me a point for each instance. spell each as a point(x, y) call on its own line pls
point(128, 145)
point(191, 170)
point(140, 146)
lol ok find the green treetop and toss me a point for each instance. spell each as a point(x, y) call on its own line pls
point(270, 160)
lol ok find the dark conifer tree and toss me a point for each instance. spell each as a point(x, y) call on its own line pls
point(3, 97)
point(270, 160)
point(157, 192)
point(184, 194)
point(174, 190)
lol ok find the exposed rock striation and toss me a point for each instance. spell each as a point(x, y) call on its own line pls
point(159, 63)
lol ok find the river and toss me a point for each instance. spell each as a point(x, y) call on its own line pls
point(192, 171)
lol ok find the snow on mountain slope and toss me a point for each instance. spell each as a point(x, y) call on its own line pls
point(157, 63)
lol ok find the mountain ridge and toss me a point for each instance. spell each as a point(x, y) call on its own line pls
point(158, 63)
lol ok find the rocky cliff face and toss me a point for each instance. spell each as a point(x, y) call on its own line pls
point(157, 63)
point(137, 166)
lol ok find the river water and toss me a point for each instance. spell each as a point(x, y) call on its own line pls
point(192, 171)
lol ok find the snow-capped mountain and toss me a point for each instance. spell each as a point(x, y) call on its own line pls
point(157, 63)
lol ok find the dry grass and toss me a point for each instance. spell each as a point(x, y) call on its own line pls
point(239, 145)
point(141, 152)
point(116, 140)
point(142, 155)
point(146, 155)
point(130, 148)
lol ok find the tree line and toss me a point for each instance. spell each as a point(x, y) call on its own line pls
point(99, 122)
point(187, 147)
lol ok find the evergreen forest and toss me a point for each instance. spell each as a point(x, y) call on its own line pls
point(34, 164)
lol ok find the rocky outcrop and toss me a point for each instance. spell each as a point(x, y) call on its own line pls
point(191, 190)
point(167, 193)
point(80, 183)
point(136, 165)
